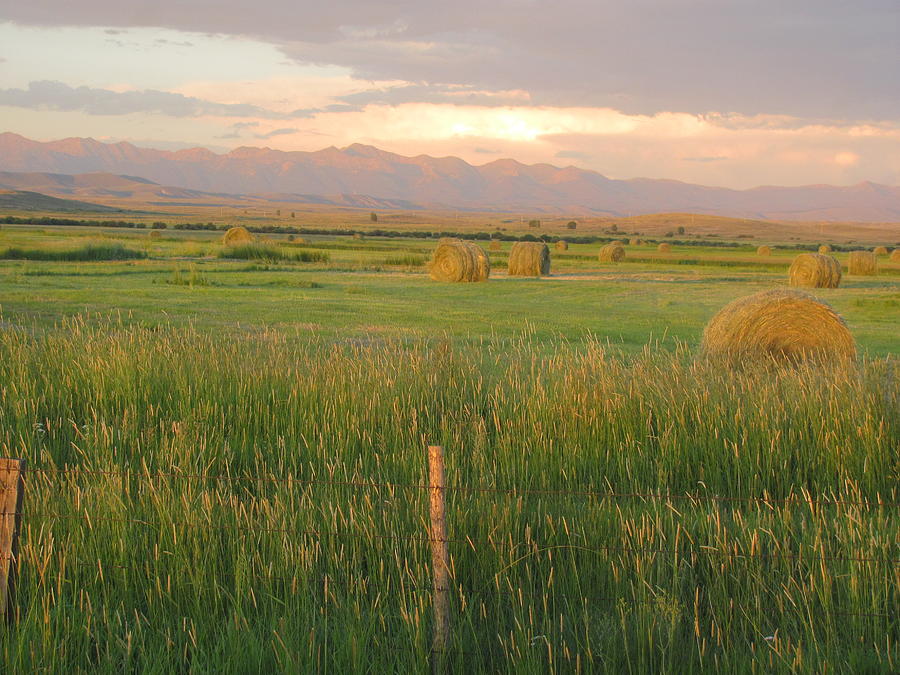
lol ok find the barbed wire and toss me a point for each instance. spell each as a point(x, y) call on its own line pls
point(470, 542)
point(462, 594)
point(515, 492)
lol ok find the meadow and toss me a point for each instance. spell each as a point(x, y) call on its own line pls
point(227, 460)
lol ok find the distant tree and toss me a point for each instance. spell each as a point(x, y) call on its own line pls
point(534, 223)
point(373, 217)
point(293, 215)
point(159, 225)
point(278, 212)
point(670, 233)
point(614, 227)
point(680, 229)
point(572, 225)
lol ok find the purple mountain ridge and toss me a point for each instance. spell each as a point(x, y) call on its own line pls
point(379, 177)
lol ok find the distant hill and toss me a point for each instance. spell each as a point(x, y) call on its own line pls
point(23, 200)
point(365, 176)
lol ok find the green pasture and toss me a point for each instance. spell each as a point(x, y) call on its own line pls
point(227, 460)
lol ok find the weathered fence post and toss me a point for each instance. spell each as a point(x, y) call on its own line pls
point(440, 560)
point(12, 488)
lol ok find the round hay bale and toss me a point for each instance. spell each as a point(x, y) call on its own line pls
point(824, 248)
point(895, 256)
point(635, 242)
point(862, 263)
point(236, 236)
point(562, 245)
point(664, 248)
point(814, 270)
point(154, 234)
point(358, 236)
point(616, 242)
point(459, 261)
point(611, 253)
point(529, 259)
point(784, 326)
point(880, 250)
point(764, 250)
point(495, 245)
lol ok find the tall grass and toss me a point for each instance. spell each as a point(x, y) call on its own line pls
point(271, 253)
point(86, 253)
point(150, 564)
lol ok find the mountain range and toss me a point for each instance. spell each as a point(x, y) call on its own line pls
point(366, 177)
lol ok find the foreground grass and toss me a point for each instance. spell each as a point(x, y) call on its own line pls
point(229, 508)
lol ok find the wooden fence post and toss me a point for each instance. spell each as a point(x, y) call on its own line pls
point(12, 488)
point(440, 560)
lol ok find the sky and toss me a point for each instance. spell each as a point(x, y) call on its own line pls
point(734, 93)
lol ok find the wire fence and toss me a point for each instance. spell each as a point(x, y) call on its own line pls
point(51, 474)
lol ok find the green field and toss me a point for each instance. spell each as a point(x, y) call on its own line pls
point(228, 458)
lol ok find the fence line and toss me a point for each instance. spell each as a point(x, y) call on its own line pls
point(469, 541)
point(438, 539)
point(518, 591)
point(514, 492)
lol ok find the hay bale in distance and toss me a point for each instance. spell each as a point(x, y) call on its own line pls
point(562, 245)
point(358, 236)
point(529, 259)
point(495, 245)
point(154, 234)
point(635, 242)
point(814, 270)
point(459, 261)
point(611, 253)
point(781, 326)
point(664, 248)
point(895, 256)
point(824, 248)
point(764, 250)
point(235, 236)
point(880, 250)
point(616, 242)
point(862, 263)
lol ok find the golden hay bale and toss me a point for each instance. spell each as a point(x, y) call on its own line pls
point(562, 245)
point(611, 253)
point(664, 248)
point(154, 234)
point(529, 259)
point(616, 242)
point(236, 236)
point(358, 236)
point(635, 242)
point(495, 245)
point(815, 271)
point(824, 248)
point(455, 260)
point(862, 263)
point(764, 250)
point(895, 256)
point(784, 326)
point(880, 250)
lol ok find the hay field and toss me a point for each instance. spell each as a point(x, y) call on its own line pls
point(246, 441)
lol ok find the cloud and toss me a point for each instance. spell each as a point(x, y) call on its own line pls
point(803, 58)
point(435, 93)
point(276, 132)
point(572, 154)
point(704, 160)
point(51, 95)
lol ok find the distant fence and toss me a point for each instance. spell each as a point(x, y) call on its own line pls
point(13, 488)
